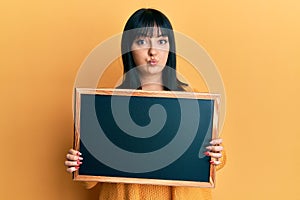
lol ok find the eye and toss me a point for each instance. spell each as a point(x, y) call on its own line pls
point(141, 42)
point(162, 41)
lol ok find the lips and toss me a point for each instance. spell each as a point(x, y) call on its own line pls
point(153, 62)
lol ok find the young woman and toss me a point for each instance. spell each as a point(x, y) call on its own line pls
point(149, 60)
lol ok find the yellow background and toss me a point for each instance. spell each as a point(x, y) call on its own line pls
point(254, 43)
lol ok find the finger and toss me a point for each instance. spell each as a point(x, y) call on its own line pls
point(215, 162)
point(215, 148)
point(213, 155)
point(72, 163)
point(73, 157)
point(217, 141)
point(74, 152)
point(72, 169)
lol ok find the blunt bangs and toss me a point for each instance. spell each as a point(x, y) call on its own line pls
point(151, 31)
point(151, 21)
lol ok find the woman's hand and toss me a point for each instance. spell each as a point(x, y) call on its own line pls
point(74, 160)
point(215, 151)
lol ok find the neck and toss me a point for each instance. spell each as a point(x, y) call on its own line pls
point(153, 87)
point(152, 83)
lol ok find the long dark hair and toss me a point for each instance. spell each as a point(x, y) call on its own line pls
point(141, 23)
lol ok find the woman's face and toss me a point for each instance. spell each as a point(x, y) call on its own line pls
point(150, 54)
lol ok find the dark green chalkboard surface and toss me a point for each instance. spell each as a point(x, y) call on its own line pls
point(136, 136)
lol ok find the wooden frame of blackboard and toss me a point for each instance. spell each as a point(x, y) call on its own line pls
point(79, 176)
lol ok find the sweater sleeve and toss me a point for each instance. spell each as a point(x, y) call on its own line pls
point(88, 184)
point(223, 160)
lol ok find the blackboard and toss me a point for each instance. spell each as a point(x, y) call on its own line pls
point(145, 137)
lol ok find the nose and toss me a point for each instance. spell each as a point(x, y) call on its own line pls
point(152, 51)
